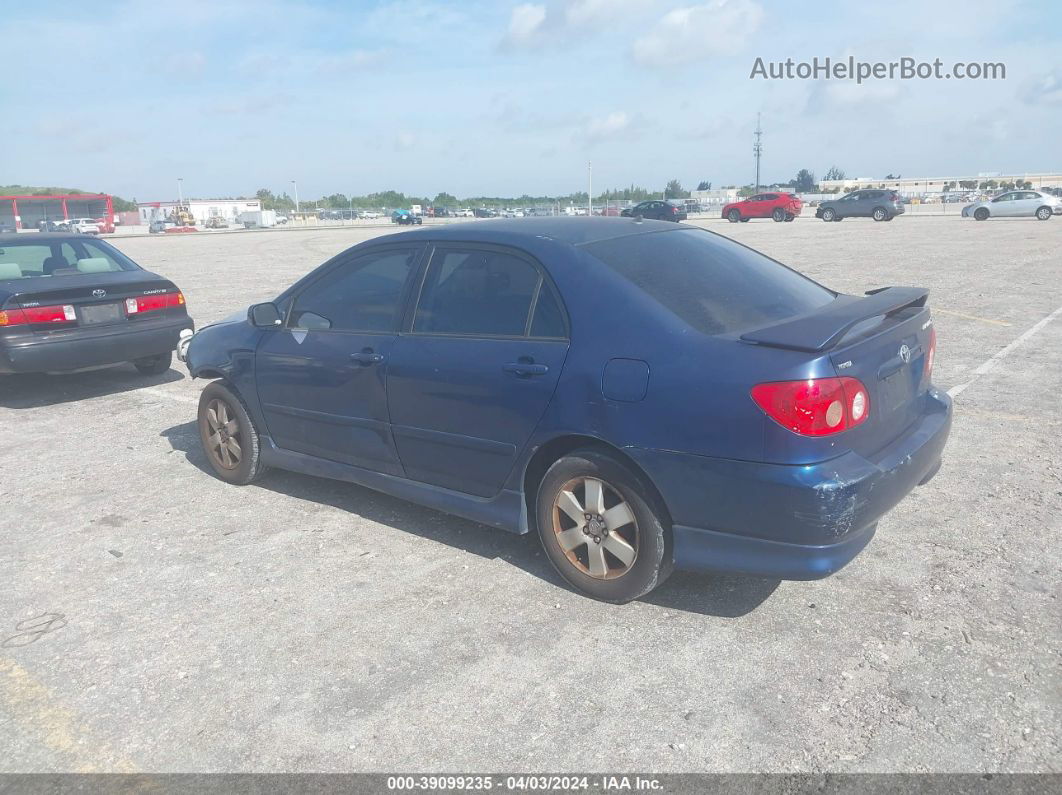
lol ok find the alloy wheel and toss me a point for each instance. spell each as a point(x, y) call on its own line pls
point(225, 434)
point(596, 528)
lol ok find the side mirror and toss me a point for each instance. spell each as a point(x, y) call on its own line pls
point(264, 315)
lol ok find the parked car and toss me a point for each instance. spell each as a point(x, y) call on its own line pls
point(68, 302)
point(281, 219)
point(9, 229)
point(501, 389)
point(406, 217)
point(778, 206)
point(881, 205)
point(1016, 204)
point(608, 211)
point(371, 215)
point(160, 225)
point(656, 209)
point(82, 226)
point(216, 222)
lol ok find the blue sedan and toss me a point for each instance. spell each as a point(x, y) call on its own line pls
point(643, 395)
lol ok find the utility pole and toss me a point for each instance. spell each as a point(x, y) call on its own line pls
point(180, 191)
point(589, 188)
point(757, 149)
point(296, 184)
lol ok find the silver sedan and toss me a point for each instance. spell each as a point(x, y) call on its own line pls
point(1015, 204)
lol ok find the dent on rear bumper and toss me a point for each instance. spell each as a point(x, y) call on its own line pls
point(797, 522)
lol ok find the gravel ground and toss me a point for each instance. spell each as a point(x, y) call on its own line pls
point(153, 618)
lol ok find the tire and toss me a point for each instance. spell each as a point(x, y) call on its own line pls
point(880, 214)
point(221, 411)
point(829, 214)
point(154, 365)
point(585, 553)
point(789, 217)
point(981, 214)
point(744, 220)
point(778, 214)
point(733, 216)
point(1044, 213)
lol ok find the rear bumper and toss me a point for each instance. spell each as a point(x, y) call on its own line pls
point(76, 351)
point(791, 522)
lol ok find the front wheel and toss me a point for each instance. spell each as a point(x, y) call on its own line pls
point(829, 214)
point(228, 434)
point(981, 214)
point(778, 214)
point(1044, 213)
point(599, 528)
point(733, 216)
point(154, 365)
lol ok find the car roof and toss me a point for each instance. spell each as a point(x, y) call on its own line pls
point(39, 237)
point(574, 231)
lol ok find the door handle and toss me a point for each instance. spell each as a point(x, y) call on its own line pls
point(525, 369)
point(367, 357)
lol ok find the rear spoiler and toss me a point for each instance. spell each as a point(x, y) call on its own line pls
point(823, 330)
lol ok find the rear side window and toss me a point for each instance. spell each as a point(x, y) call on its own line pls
point(485, 293)
point(710, 282)
point(361, 295)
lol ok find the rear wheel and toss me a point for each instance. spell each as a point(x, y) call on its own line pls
point(981, 214)
point(778, 214)
point(599, 527)
point(230, 439)
point(1044, 213)
point(154, 365)
point(880, 214)
point(829, 214)
point(733, 216)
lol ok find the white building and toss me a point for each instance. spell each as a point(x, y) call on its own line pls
point(201, 209)
point(914, 185)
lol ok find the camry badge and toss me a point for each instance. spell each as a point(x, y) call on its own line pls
point(905, 354)
point(99, 293)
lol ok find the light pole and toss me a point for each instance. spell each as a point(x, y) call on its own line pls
point(296, 184)
point(589, 188)
point(180, 191)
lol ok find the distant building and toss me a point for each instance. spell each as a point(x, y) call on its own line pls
point(919, 185)
point(202, 210)
point(721, 196)
point(25, 212)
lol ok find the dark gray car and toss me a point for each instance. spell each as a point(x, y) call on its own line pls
point(881, 205)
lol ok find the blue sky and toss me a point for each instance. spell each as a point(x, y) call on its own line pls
point(500, 98)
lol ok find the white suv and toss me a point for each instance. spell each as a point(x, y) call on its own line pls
point(83, 226)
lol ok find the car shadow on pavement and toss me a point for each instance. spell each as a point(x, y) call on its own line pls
point(37, 390)
point(722, 596)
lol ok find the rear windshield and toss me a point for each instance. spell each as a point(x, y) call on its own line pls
point(64, 257)
point(709, 281)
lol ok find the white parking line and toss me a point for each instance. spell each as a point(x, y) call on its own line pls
point(988, 366)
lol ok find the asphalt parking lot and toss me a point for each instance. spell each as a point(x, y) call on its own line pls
point(154, 618)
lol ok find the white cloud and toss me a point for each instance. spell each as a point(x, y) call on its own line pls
point(597, 12)
point(1045, 89)
point(525, 23)
point(615, 125)
point(692, 33)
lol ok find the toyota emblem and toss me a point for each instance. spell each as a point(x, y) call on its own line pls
point(905, 354)
point(99, 293)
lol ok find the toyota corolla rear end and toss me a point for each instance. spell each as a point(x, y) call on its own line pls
point(781, 433)
point(71, 303)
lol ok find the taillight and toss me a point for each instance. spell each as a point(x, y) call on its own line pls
point(150, 303)
point(38, 314)
point(816, 406)
point(927, 369)
point(674, 210)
